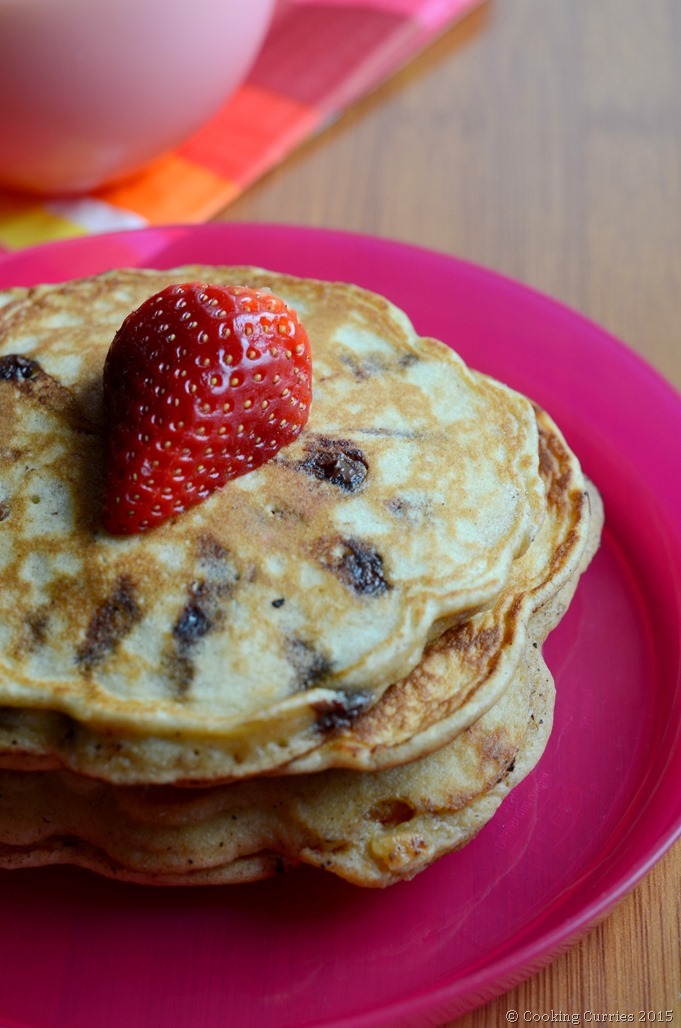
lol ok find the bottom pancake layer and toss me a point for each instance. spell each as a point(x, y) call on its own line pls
point(372, 828)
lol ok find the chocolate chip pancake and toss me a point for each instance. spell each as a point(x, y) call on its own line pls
point(289, 600)
point(371, 829)
point(460, 676)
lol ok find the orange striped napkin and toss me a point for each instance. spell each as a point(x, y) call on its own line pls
point(319, 57)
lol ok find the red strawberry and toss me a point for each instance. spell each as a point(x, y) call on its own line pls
point(202, 383)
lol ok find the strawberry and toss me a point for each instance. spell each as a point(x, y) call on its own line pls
point(202, 383)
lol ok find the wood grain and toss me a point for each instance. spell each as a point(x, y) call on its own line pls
point(541, 138)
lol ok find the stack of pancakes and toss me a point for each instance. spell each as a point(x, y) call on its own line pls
point(334, 660)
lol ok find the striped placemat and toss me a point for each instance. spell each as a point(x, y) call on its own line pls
point(319, 57)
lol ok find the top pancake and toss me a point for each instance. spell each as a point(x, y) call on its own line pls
point(463, 674)
point(398, 511)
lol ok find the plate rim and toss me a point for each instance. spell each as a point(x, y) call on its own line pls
point(182, 231)
point(526, 960)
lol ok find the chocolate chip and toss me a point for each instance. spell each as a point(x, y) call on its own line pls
point(203, 609)
point(310, 666)
point(15, 368)
point(192, 624)
point(202, 612)
point(110, 623)
point(357, 564)
point(31, 379)
point(341, 711)
point(197, 618)
point(279, 603)
point(336, 461)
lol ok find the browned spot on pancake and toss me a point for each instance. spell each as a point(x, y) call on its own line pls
point(30, 378)
point(340, 712)
point(283, 513)
point(407, 359)
point(368, 367)
point(411, 702)
point(311, 666)
point(180, 669)
point(356, 563)
point(210, 550)
point(555, 468)
point(389, 433)
point(496, 748)
point(111, 622)
point(412, 511)
point(392, 812)
point(398, 505)
point(337, 461)
point(478, 647)
point(219, 572)
point(36, 624)
point(568, 501)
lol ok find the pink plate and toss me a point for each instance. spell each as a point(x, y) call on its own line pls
point(603, 805)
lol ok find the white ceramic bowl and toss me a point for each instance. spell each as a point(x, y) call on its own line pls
point(92, 90)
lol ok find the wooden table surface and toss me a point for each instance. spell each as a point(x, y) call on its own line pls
point(541, 138)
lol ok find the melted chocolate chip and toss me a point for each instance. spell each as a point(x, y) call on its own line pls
point(199, 615)
point(111, 622)
point(30, 378)
point(15, 368)
point(310, 667)
point(357, 564)
point(192, 624)
point(202, 612)
point(340, 712)
point(336, 461)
